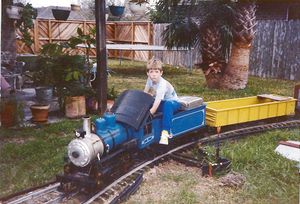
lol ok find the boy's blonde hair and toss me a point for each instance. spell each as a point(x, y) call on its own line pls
point(154, 64)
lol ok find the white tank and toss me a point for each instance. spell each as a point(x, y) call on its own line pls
point(81, 151)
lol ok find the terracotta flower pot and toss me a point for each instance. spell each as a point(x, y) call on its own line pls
point(8, 114)
point(39, 112)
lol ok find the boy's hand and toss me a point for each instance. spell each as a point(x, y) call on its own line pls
point(151, 116)
point(151, 111)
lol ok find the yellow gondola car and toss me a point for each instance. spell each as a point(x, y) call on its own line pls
point(240, 110)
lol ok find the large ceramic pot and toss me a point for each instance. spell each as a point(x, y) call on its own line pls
point(60, 14)
point(117, 10)
point(39, 112)
point(75, 106)
point(137, 9)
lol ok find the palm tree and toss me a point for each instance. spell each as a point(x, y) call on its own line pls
point(222, 30)
point(236, 73)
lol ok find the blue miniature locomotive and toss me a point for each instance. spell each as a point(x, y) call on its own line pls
point(129, 123)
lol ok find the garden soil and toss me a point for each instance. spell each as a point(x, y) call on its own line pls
point(173, 182)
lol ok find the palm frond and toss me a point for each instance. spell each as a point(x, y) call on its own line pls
point(181, 34)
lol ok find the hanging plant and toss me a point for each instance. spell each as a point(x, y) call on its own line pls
point(61, 14)
point(139, 2)
point(13, 12)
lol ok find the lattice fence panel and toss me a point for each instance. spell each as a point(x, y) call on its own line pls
point(52, 31)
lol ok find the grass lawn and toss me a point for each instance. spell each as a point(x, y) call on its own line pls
point(32, 156)
point(270, 178)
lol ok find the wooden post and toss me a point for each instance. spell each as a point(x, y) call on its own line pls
point(50, 31)
point(115, 39)
point(297, 96)
point(132, 39)
point(84, 28)
point(36, 36)
point(149, 39)
point(101, 77)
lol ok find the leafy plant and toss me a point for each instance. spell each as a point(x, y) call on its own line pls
point(112, 94)
point(116, 2)
point(46, 72)
point(25, 23)
point(88, 40)
point(162, 12)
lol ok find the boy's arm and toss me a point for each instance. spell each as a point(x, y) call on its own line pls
point(155, 106)
point(146, 89)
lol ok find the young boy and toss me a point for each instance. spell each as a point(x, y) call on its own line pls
point(165, 97)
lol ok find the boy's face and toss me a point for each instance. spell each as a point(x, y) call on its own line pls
point(154, 74)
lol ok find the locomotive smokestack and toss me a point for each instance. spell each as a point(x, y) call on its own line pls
point(87, 125)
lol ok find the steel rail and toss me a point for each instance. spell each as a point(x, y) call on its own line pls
point(34, 194)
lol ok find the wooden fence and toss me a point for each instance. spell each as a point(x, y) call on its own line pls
point(53, 31)
point(276, 50)
point(176, 58)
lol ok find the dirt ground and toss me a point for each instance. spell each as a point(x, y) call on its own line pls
point(173, 182)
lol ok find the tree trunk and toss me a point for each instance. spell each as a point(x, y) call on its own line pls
point(236, 72)
point(243, 29)
point(212, 55)
point(213, 80)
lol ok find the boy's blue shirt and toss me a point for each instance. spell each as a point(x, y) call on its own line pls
point(162, 90)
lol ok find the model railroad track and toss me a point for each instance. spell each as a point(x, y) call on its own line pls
point(45, 194)
point(108, 195)
point(127, 184)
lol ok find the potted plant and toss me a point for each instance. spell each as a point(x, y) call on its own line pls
point(72, 84)
point(116, 7)
point(14, 11)
point(11, 111)
point(43, 79)
point(43, 76)
point(138, 7)
point(75, 102)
